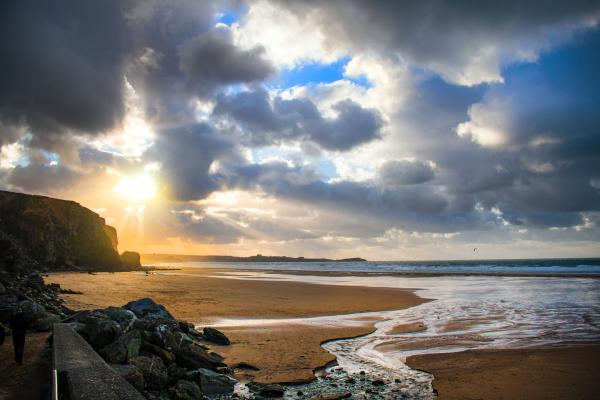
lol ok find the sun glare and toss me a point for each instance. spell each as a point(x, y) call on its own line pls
point(137, 188)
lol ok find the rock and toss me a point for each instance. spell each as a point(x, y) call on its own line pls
point(195, 357)
point(125, 347)
point(153, 370)
point(166, 356)
point(131, 374)
point(176, 373)
point(99, 330)
point(35, 281)
point(378, 382)
point(45, 323)
point(162, 336)
point(53, 233)
point(225, 370)
point(215, 336)
point(2, 288)
point(350, 380)
point(214, 383)
point(336, 396)
point(32, 310)
point(182, 339)
point(131, 260)
point(77, 326)
point(186, 390)
point(147, 308)
point(120, 315)
point(271, 390)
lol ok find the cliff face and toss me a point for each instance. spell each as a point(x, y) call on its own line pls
point(54, 233)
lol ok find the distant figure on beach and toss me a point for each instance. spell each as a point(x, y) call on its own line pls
point(18, 326)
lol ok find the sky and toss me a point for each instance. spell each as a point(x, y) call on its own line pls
point(382, 129)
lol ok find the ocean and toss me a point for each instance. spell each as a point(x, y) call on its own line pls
point(574, 267)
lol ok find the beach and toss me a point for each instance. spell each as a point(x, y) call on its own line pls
point(566, 372)
point(475, 336)
point(200, 297)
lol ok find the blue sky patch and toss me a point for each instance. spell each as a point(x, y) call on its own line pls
point(316, 73)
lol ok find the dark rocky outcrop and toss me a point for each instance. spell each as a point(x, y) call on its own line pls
point(39, 302)
point(163, 357)
point(43, 233)
point(130, 260)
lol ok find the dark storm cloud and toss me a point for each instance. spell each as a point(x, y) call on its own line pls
point(212, 60)
point(272, 121)
point(394, 173)
point(186, 154)
point(42, 177)
point(61, 68)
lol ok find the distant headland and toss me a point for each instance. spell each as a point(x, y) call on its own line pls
point(166, 258)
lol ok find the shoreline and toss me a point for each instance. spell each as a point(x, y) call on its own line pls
point(264, 317)
point(401, 274)
point(200, 297)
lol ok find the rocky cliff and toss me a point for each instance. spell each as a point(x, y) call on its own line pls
point(45, 233)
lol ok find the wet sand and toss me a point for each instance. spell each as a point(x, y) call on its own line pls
point(283, 352)
point(565, 372)
point(407, 328)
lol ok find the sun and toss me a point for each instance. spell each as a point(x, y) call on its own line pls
point(138, 188)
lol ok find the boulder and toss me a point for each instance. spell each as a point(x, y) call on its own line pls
point(153, 370)
point(162, 336)
point(32, 310)
point(147, 308)
point(271, 390)
point(182, 340)
point(131, 260)
point(45, 323)
point(131, 374)
point(166, 356)
point(2, 288)
point(176, 373)
point(125, 347)
point(35, 281)
point(186, 390)
point(215, 336)
point(335, 396)
point(99, 330)
point(214, 383)
point(120, 315)
point(195, 357)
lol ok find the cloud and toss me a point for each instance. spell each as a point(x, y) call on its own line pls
point(465, 44)
point(414, 207)
point(278, 120)
point(186, 154)
point(395, 173)
point(62, 66)
point(42, 177)
point(212, 60)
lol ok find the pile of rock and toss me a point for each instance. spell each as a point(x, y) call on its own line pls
point(162, 357)
point(39, 302)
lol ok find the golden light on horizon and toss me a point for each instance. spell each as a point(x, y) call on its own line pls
point(139, 188)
